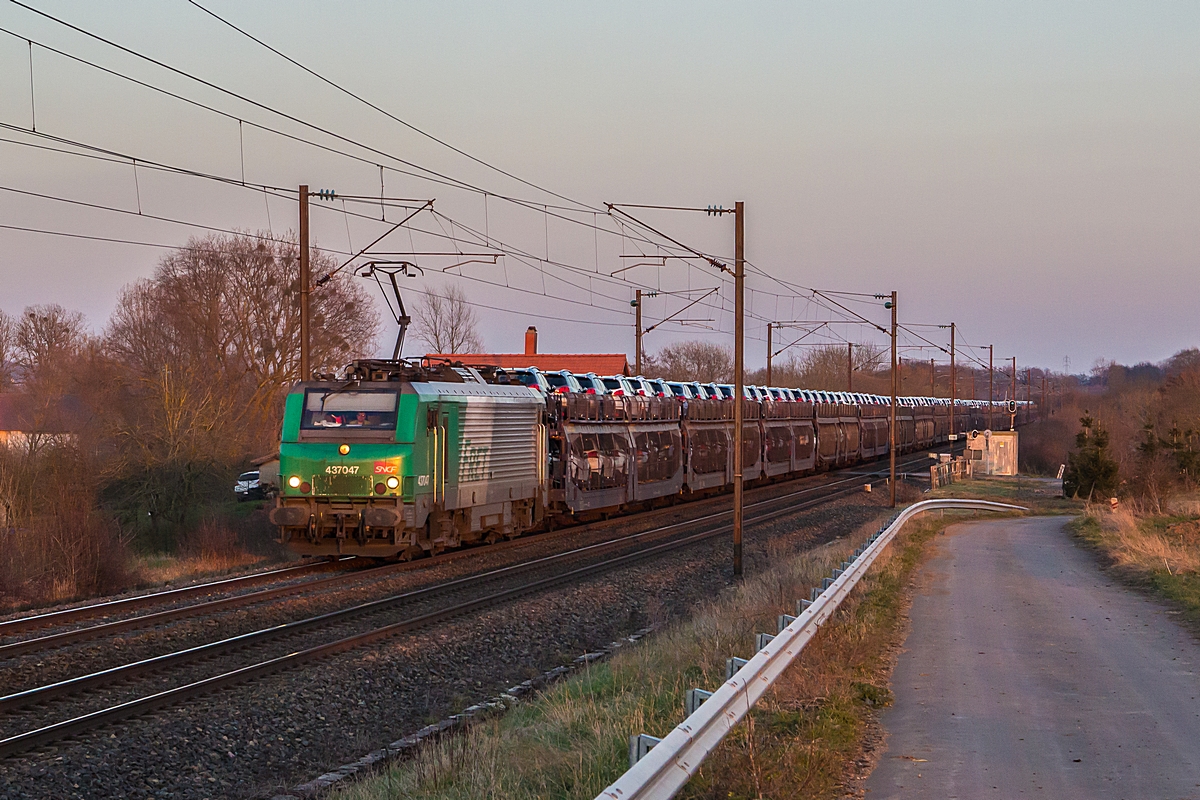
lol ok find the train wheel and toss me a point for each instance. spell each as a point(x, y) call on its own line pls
point(411, 553)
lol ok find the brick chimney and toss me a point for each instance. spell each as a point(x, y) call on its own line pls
point(531, 341)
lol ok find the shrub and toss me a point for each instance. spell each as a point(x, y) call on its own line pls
point(70, 552)
point(1091, 469)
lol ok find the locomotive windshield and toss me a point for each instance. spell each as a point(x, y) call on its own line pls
point(373, 409)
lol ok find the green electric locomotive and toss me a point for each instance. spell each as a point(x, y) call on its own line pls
point(398, 459)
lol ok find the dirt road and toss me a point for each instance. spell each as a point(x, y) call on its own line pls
point(1028, 673)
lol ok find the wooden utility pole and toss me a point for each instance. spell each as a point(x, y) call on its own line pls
point(1013, 396)
point(770, 325)
point(305, 374)
point(739, 309)
point(849, 366)
point(991, 382)
point(637, 355)
point(892, 427)
point(1029, 384)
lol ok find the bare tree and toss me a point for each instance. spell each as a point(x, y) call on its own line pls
point(8, 341)
point(693, 360)
point(824, 367)
point(207, 349)
point(446, 323)
point(225, 311)
point(46, 336)
point(1184, 361)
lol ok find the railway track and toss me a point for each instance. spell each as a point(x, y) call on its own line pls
point(124, 604)
point(421, 608)
point(63, 638)
point(24, 646)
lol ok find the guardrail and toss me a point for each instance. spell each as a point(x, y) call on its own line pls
point(663, 766)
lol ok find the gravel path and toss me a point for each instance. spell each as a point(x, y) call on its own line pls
point(270, 735)
point(1030, 673)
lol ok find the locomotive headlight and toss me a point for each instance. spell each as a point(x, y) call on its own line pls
point(344, 449)
point(294, 481)
point(393, 482)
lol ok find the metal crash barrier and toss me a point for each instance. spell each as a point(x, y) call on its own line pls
point(664, 766)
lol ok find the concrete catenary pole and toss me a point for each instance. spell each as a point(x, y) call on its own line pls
point(637, 337)
point(849, 366)
point(304, 286)
point(770, 325)
point(739, 309)
point(892, 426)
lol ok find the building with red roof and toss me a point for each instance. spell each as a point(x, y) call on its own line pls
point(582, 363)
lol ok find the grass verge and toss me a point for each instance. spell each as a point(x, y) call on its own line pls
point(1039, 495)
point(802, 739)
point(1156, 551)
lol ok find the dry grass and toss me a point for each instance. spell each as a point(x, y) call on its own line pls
point(1133, 543)
point(801, 739)
point(76, 553)
point(214, 548)
point(1157, 552)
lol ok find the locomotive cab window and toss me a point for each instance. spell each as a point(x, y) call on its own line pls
point(355, 410)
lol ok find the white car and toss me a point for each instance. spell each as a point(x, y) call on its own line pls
point(248, 487)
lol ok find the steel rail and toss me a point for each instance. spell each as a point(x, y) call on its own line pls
point(21, 624)
point(156, 663)
point(24, 741)
point(24, 646)
point(14, 649)
point(672, 761)
point(61, 730)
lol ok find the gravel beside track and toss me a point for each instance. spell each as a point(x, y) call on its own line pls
point(268, 735)
point(89, 656)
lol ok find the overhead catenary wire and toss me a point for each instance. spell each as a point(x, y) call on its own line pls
point(263, 106)
point(214, 86)
point(383, 111)
point(422, 172)
point(155, 217)
point(143, 215)
point(348, 140)
point(112, 239)
point(127, 158)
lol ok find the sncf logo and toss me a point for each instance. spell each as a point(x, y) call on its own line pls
point(384, 468)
